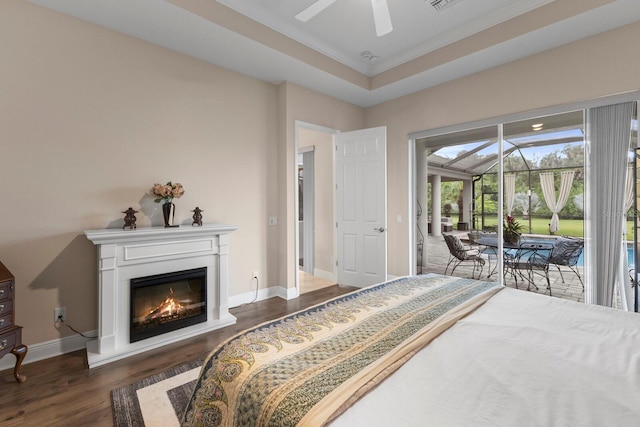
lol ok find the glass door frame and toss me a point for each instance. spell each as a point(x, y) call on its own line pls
point(499, 121)
point(636, 227)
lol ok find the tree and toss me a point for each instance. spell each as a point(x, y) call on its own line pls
point(521, 203)
point(450, 191)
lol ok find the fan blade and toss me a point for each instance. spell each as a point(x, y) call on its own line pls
point(314, 9)
point(381, 17)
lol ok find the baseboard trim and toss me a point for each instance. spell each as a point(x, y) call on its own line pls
point(48, 349)
point(274, 291)
point(57, 347)
point(326, 275)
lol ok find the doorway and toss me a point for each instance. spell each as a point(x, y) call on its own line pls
point(349, 227)
point(306, 209)
point(315, 242)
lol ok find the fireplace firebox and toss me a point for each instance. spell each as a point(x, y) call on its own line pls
point(166, 302)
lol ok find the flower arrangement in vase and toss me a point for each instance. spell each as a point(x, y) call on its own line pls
point(511, 230)
point(165, 195)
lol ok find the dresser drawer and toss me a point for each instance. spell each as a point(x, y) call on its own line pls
point(6, 321)
point(6, 290)
point(6, 307)
point(8, 340)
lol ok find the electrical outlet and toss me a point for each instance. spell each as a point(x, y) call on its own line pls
point(59, 313)
point(254, 275)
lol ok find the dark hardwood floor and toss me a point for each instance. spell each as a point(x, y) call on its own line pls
point(62, 391)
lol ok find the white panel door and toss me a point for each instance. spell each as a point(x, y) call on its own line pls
point(361, 206)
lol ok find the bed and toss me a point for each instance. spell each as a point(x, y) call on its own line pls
point(428, 350)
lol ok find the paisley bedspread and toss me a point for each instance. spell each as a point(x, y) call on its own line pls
point(308, 367)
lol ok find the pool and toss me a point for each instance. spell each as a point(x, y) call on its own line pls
point(629, 257)
point(581, 258)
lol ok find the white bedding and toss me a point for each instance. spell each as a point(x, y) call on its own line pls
point(522, 359)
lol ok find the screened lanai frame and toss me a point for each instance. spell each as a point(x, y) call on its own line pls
point(497, 122)
point(473, 152)
point(478, 217)
point(519, 137)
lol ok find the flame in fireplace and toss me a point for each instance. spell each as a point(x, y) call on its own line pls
point(167, 308)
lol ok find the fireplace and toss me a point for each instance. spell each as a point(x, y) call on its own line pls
point(166, 302)
point(151, 253)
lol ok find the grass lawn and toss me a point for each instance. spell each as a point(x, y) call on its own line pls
point(568, 227)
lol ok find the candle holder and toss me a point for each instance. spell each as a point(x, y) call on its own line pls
point(197, 217)
point(129, 218)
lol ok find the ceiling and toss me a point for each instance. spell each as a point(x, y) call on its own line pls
point(417, 27)
point(263, 39)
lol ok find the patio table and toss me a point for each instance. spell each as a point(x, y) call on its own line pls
point(518, 255)
point(492, 243)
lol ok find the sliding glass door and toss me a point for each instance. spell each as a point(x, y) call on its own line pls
point(551, 174)
point(528, 172)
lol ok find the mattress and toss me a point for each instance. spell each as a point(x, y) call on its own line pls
point(522, 359)
point(428, 351)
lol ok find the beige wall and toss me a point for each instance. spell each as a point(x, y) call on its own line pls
point(299, 103)
point(591, 68)
point(89, 120)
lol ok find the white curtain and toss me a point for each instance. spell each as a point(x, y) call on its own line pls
point(608, 136)
point(624, 279)
point(549, 192)
point(509, 191)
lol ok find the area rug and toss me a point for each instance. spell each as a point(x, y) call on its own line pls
point(158, 400)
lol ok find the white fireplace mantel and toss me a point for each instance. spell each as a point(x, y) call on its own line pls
point(127, 254)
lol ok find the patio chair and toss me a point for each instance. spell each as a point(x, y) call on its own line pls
point(565, 253)
point(530, 259)
point(458, 254)
point(487, 253)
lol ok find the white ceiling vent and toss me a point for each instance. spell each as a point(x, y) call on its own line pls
point(440, 5)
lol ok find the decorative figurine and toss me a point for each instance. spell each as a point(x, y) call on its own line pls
point(129, 219)
point(197, 217)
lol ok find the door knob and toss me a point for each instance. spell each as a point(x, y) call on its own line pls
point(381, 229)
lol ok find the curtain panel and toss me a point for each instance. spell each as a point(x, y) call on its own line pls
point(509, 191)
point(608, 136)
point(624, 277)
point(549, 193)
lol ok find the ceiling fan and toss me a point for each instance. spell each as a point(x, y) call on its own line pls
point(381, 16)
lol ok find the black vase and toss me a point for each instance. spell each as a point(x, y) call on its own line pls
point(167, 213)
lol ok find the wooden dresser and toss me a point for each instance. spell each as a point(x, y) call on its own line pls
point(10, 333)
